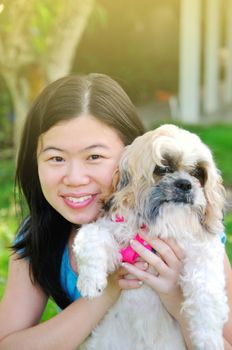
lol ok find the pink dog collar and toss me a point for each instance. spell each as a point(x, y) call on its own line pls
point(128, 254)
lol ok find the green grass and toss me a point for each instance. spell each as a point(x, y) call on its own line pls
point(219, 139)
point(228, 226)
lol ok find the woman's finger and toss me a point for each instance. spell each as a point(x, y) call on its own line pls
point(175, 247)
point(129, 283)
point(167, 253)
point(123, 273)
point(168, 249)
point(151, 258)
point(143, 276)
point(142, 265)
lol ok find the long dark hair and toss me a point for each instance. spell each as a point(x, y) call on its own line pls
point(45, 232)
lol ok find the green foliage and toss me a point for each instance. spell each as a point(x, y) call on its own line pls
point(6, 117)
point(228, 225)
point(7, 170)
point(99, 18)
point(37, 28)
point(41, 23)
point(50, 310)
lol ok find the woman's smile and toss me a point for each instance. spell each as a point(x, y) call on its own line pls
point(76, 162)
point(79, 202)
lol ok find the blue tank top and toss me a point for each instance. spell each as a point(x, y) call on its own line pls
point(68, 277)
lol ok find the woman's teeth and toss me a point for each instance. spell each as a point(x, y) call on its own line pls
point(79, 199)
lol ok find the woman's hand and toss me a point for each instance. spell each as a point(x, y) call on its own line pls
point(121, 279)
point(163, 270)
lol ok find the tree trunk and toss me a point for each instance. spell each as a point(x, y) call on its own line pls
point(69, 30)
point(19, 90)
point(19, 65)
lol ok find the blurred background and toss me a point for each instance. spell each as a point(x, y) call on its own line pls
point(173, 58)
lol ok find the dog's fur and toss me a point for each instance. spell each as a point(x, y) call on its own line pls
point(168, 181)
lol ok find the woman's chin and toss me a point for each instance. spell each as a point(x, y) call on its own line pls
point(85, 218)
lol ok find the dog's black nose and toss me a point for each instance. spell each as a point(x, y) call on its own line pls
point(183, 184)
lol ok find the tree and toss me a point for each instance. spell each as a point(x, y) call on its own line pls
point(38, 40)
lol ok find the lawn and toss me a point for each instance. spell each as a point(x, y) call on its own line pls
point(219, 139)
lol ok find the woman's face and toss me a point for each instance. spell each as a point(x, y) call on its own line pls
point(76, 161)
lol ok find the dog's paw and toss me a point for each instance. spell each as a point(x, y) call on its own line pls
point(91, 287)
point(205, 339)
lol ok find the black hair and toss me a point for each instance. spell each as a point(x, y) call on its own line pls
point(46, 232)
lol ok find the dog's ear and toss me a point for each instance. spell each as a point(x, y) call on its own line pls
point(215, 196)
point(119, 181)
point(123, 180)
point(108, 195)
point(108, 203)
point(124, 177)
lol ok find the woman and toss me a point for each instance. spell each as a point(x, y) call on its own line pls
point(72, 141)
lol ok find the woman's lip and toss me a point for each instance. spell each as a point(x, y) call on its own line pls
point(80, 201)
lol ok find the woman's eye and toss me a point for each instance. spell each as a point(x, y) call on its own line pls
point(94, 157)
point(57, 159)
point(161, 170)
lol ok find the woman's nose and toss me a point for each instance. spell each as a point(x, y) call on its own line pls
point(76, 175)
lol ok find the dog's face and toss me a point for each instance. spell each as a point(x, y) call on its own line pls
point(169, 167)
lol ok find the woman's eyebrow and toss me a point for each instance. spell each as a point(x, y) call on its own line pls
point(54, 148)
point(97, 145)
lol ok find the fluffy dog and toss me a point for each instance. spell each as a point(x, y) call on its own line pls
point(168, 181)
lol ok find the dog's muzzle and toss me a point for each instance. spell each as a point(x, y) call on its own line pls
point(182, 191)
point(172, 188)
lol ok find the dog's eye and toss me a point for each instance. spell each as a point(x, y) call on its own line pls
point(199, 173)
point(161, 170)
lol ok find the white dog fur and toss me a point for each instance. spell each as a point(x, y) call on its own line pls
point(168, 181)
